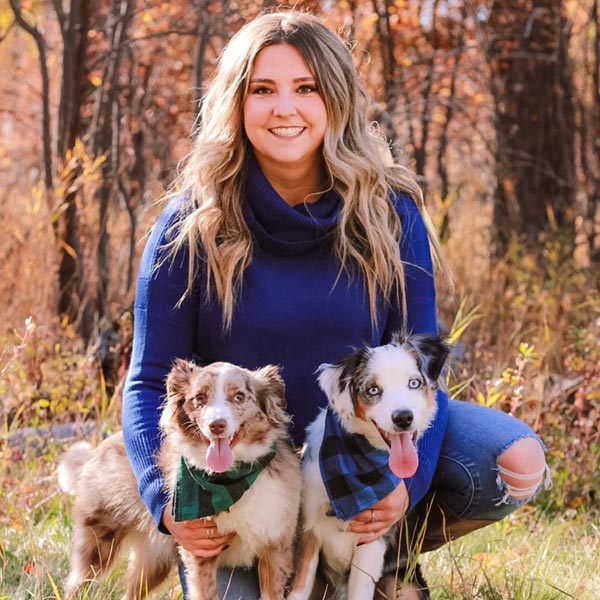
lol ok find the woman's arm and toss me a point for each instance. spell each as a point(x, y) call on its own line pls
point(162, 331)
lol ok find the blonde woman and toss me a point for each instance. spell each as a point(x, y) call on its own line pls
point(291, 239)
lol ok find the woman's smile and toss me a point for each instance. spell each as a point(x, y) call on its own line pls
point(287, 132)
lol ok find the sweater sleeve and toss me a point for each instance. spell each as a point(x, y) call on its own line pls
point(421, 317)
point(163, 330)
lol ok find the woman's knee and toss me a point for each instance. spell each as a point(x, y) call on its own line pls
point(522, 470)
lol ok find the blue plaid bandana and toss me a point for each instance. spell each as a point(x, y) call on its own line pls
point(356, 475)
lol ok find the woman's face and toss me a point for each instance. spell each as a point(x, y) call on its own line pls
point(284, 113)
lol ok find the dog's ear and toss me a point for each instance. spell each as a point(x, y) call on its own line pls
point(337, 383)
point(270, 393)
point(178, 379)
point(178, 383)
point(432, 352)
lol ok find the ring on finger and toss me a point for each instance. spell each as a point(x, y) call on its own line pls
point(373, 516)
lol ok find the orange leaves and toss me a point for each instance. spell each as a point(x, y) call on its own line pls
point(29, 568)
point(95, 78)
point(369, 21)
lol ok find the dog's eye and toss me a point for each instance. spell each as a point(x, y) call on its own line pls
point(239, 396)
point(414, 383)
point(199, 400)
point(373, 390)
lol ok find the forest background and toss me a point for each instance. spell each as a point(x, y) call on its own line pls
point(494, 104)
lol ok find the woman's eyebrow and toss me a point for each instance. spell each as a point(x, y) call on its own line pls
point(267, 80)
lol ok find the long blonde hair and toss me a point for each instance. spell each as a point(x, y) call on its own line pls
point(355, 155)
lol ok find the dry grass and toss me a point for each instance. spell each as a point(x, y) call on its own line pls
point(528, 556)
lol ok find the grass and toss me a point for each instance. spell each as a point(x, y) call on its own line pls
point(35, 546)
point(528, 556)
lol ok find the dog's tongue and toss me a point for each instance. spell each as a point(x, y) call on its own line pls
point(219, 456)
point(403, 455)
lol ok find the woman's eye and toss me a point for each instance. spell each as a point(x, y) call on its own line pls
point(260, 91)
point(414, 383)
point(373, 391)
point(307, 89)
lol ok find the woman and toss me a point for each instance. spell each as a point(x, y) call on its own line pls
point(291, 239)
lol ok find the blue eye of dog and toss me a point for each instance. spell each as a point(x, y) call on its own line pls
point(239, 396)
point(414, 383)
point(373, 391)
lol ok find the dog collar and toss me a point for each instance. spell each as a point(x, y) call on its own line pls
point(356, 475)
point(199, 493)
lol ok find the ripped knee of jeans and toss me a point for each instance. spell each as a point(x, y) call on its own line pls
point(519, 488)
point(522, 470)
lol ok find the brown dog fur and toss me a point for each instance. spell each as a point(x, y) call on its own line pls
point(109, 514)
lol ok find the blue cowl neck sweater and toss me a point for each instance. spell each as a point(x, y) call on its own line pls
point(294, 310)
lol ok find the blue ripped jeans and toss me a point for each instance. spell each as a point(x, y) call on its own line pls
point(467, 490)
point(467, 481)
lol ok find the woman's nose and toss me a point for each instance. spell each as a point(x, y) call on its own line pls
point(284, 105)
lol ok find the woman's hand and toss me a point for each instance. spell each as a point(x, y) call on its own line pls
point(378, 519)
point(200, 536)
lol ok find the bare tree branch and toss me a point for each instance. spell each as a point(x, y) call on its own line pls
point(203, 32)
point(35, 33)
point(60, 15)
point(8, 29)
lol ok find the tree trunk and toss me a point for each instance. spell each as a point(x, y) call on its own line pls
point(74, 75)
point(444, 228)
point(527, 43)
point(388, 59)
point(203, 29)
point(589, 139)
point(72, 278)
point(105, 140)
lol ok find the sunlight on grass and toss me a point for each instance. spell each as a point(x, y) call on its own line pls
point(528, 556)
point(36, 536)
point(36, 563)
point(525, 557)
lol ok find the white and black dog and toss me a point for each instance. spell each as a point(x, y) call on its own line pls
point(381, 400)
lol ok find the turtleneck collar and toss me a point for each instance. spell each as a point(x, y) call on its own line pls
point(283, 229)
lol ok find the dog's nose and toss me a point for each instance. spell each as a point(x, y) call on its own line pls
point(402, 418)
point(218, 426)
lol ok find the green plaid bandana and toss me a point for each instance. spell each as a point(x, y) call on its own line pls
point(199, 493)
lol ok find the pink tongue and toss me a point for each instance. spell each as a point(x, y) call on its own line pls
point(219, 456)
point(403, 455)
